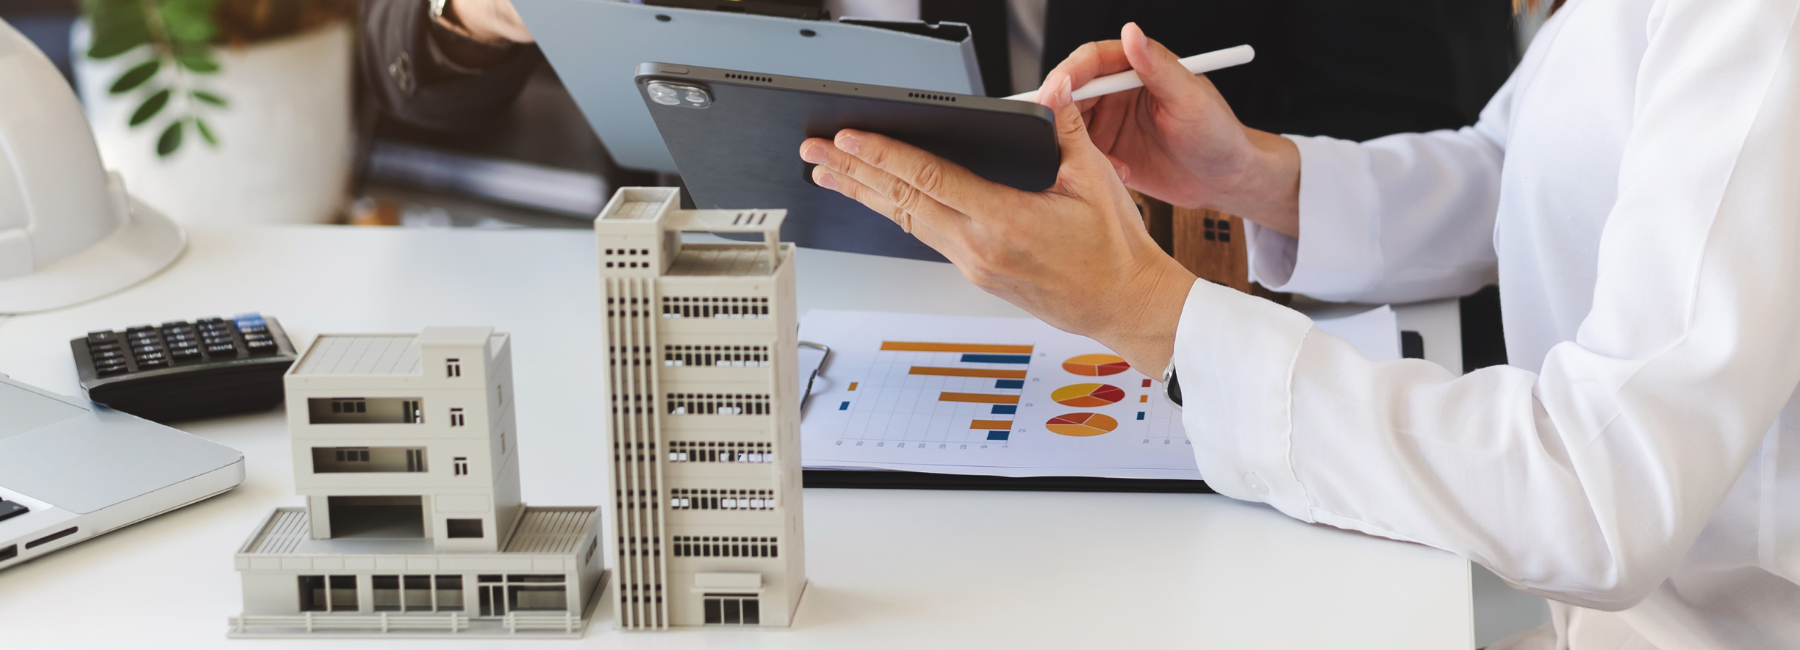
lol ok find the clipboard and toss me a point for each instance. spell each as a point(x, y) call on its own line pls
point(595, 46)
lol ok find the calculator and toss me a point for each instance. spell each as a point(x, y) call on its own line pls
point(182, 370)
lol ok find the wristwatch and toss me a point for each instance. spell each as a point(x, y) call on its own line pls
point(1171, 383)
point(441, 7)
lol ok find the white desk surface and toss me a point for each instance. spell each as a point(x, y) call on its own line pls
point(889, 569)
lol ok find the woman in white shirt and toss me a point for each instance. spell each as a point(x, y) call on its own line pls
point(1635, 186)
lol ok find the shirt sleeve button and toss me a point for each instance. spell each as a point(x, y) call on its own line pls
point(1255, 483)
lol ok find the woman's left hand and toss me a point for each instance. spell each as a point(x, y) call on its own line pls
point(1075, 255)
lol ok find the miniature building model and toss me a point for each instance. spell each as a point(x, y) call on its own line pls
point(704, 433)
point(405, 449)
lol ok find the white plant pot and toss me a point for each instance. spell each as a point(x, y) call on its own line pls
point(285, 138)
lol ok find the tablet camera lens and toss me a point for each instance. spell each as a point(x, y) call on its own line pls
point(685, 96)
point(664, 95)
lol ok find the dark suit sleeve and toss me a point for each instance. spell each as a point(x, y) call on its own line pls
point(405, 69)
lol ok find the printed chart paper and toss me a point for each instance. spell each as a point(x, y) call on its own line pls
point(1000, 396)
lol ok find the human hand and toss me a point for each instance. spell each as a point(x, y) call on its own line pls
point(489, 21)
point(1177, 140)
point(1075, 255)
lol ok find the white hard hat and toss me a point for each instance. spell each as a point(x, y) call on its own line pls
point(68, 231)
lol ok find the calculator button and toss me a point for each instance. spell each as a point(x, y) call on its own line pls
point(108, 371)
point(109, 355)
point(260, 347)
point(222, 349)
point(185, 354)
point(102, 337)
point(175, 323)
point(145, 364)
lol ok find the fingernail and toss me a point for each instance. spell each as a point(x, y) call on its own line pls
point(848, 143)
point(813, 153)
point(824, 178)
point(1044, 94)
point(1065, 94)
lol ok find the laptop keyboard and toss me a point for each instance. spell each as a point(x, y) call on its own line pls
point(8, 509)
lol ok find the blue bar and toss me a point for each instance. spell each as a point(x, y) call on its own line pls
point(1140, 413)
point(1009, 383)
point(998, 435)
point(846, 406)
point(1020, 359)
point(1006, 409)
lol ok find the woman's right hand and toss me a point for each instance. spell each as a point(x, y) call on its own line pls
point(1177, 140)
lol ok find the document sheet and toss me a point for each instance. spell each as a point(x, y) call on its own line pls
point(1001, 397)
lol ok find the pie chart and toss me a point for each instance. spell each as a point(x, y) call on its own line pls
point(1096, 365)
point(1088, 395)
point(1081, 425)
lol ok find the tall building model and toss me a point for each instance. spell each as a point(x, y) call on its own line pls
point(406, 451)
point(704, 432)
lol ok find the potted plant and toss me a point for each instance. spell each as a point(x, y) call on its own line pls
point(222, 110)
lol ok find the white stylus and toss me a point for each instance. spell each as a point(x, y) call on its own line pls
point(1127, 80)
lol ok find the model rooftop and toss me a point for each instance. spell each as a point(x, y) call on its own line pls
point(386, 354)
point(540, 531)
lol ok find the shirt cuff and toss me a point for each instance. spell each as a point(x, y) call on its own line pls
point(1338, 256)
point(1235, 355)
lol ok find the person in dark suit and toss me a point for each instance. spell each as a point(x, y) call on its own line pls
point(445, 66)
point(1349, 70)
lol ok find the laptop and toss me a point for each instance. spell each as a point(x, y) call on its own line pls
point(70, 471)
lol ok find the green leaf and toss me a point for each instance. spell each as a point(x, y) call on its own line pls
point(189, 21)
point(118, 27)
point(150, 107)
point(205, 132)
point(135, 77)
point(209, 98)
point(170, 139)
point(200, 63)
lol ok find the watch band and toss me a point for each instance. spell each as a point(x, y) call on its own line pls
point(1171, 384)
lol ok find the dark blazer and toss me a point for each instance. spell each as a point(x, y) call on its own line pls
point(403, 66)
point(1351, 69)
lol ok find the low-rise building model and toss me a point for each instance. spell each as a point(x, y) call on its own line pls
point(406, 451)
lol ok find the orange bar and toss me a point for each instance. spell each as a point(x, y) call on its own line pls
point(967, 372)
point(994, 425)
point(978, 398)
point(853, 387)
point(902, 346)
point(1143, 398)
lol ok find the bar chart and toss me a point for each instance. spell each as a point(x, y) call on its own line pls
point(919, 390)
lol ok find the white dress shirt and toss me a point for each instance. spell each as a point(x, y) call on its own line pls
point(1636, 188)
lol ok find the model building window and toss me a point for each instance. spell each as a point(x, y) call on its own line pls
point(722, 356)
point(699, 499)
point(500, 595)
point(463, 528)
point(357, 410)
point(732, 609)
point(714, 307)
point(456, 417)
point(461, 464)
point(694, 546)
point(453, 367)
point(351, 460)
point(328, 593)
point(698, 451)
point(416, 593)
point(1218, 230)
point(717, 404)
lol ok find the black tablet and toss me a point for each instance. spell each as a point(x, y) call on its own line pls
point(735, 137)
